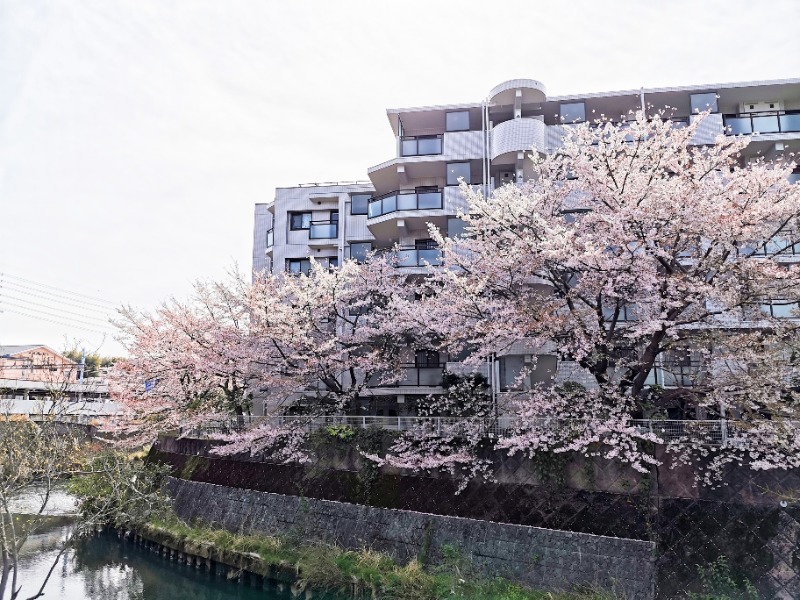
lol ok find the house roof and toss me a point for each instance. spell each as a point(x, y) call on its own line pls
point(12, 350)
point(8, 351)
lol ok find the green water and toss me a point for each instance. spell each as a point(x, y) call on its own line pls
point(107, 568)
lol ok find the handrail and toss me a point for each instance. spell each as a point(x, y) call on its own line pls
point(708, 432)
point(405, 257)
point(323, 230)
point(773, 121)
point(332, 183)
point(396, 201)
point(414, 375)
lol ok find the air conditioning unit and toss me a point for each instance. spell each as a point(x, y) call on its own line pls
point(760, 107)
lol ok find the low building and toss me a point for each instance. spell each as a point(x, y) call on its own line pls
point(35, 372)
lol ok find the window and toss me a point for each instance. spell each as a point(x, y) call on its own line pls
point(328, 229)
point(426, 244)
point(626, 313)
point(517, 372)
point(455, 171)
point(704, 102)
point(780, 309)
point(457, 121)
point(359, 203)
point(299, 220)
point(456, 227)
point(421, 145)
point(574, 112)
point(359, 251)
point(333, 262)
point(426, 358)
point(298, 265)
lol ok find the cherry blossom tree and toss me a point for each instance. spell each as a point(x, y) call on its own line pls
point(657, 269)
point(307, 345)
point(649, 263)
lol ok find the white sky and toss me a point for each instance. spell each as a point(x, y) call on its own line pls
point(135, 136)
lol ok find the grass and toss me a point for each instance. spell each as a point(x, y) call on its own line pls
point(367, 573)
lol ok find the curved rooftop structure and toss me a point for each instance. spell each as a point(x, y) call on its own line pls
point(526, 91)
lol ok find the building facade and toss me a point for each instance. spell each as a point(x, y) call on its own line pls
point(35, 372)
point(486, 143)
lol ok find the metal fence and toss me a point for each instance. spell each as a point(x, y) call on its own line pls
point(737, 540)
point(709, 432)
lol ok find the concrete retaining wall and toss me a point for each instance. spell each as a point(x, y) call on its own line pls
point(537, 557)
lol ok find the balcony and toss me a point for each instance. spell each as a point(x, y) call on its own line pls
point(421, 145)
point(518, 135)
point(401, 201)
point(415, 257)
point(323, 230)
point(414, 376)
point(771, 122)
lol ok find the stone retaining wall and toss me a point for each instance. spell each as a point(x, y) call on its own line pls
point(537, 557)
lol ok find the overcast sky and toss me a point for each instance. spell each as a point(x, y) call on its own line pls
point(135, 137)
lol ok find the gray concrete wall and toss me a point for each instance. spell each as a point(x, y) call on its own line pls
point(537, 557)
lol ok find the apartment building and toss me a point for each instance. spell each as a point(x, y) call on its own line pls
point(486, 144)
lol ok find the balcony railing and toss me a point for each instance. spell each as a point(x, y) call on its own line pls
point(270, 238)
point(414, 257)
point(777, 246)
point(395, 201)
point(323, 230)
point(769, 122)
point(420, 145)
point(413, 375)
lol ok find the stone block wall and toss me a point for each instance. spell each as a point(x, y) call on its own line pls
point(752, 522)
point(543, 558)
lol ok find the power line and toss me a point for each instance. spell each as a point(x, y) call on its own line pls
point(52, 287)
point(51, 307)
point(76, 321)
point(45, 295)
point(71, 325)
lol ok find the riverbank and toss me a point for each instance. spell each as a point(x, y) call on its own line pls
point(311, 568)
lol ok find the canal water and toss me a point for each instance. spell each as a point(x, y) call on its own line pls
point(108, 568)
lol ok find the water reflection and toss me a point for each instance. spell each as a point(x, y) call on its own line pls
point(106, 568)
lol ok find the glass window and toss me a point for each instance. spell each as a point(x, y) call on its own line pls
point(425, 244)
point(429, 144)
point(456, 171)
point(359, 251)
point(457, 121)
point(298, 265)
point(299, 220)
point(574, 112)
point(426, 358)
point(408, 147)
point(456, 227)
point(359, 204)
point(783, 310)
point(704, 102)
point(333, 262)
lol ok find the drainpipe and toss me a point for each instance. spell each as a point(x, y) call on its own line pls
point(641, 99)
point(483, 135)
point(343, 233)
point(486, 144)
